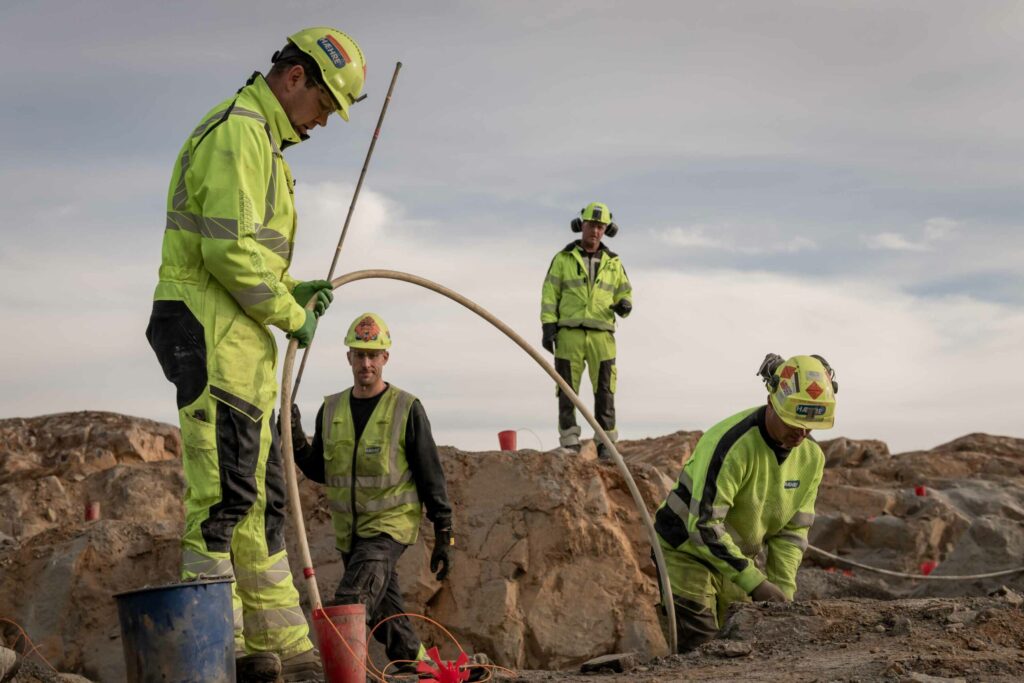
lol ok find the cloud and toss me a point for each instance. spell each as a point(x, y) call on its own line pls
point(697, 237)
point(935, 230)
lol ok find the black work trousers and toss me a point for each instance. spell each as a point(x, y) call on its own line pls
point(371, 578)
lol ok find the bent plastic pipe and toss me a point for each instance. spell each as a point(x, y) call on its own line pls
point(295, 507)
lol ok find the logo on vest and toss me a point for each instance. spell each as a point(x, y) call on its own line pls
point(792, 483)
point(372, 450)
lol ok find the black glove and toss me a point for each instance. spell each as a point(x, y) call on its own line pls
point(443, 541)
point(299, 439)
point(550, 332)
point(623, 307)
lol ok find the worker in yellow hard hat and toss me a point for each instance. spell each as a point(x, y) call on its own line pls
point(584, 289)
point(374, 451)
point(224, 280)
point(747, 491)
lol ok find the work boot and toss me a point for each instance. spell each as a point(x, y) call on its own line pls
point(478, 667)
point(258, 667)
point(604, 456)
point(304, 666)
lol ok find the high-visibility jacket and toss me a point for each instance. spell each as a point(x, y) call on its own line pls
point(370, 488)
point(739, 495)
point(229, 234)
point(569, 297)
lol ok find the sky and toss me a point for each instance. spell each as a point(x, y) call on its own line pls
point(788, 177)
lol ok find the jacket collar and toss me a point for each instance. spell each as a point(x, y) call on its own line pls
point(575, 245)
point(261, 98)
point(780, 452)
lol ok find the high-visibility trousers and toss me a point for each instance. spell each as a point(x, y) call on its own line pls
point(702, 597)
point(235, 485)
point(574, 348)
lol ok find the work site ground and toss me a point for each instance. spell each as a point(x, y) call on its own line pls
point(552, 565)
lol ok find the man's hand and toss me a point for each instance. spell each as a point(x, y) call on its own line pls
point(305, 333)
point(767, 591)
point(443, 541)
point(622, 308)
point(321, 289)
point(550, 332)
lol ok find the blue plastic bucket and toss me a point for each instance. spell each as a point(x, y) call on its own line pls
point(183, 632)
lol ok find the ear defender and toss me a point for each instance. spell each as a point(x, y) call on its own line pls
point(576, 224)
point(612, 229)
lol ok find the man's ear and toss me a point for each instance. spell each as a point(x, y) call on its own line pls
point(386, 356)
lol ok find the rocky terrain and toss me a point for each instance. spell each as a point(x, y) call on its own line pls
point(552, 567)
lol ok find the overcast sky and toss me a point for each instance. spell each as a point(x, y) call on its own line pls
point(841, 178)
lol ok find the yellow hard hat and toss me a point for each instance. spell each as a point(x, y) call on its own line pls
point(368, 331)
point(802, 390)
point(340, 60)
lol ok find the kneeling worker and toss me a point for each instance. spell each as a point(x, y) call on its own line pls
point(748, 488)
point(374, 450)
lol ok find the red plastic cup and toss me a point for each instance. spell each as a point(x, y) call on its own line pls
point(928, 566)
point(507, 440)
point(920, 490)
point(92, 510)
point(341, 633)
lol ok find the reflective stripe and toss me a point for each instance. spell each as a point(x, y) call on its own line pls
point(236, 617)
point(793, 538)
point(218, 228)
point(605, 286)
point(180, 198)
point(377, 504)
point(253, 581)
point(677, 505)
point(241, 405)
point(331, 404)
point(242, 111)
point(623, 289)
point(338, 482)
point(383, 481)
point(214, 118)
point(568, 284)
point(719, 511)
point(548, 308)
point(261, 621)
point(253, 296)
point(182, 220)
point(555, 280)
point(588, 323)
point(802, 519)
point(196, 563)
point(274, 241)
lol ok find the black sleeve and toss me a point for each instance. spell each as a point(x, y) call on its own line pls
point(310, 457)
point(425, 464)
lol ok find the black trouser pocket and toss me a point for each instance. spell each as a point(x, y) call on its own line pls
point(177, 339)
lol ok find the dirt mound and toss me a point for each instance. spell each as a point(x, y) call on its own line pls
point(552, 566)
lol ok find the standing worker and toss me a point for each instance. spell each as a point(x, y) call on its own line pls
point(586, 286)
point(749, 488)
point(374, 450)
point(223, 281)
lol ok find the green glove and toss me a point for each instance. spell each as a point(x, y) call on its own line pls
point(321, 289)
point(305, 333)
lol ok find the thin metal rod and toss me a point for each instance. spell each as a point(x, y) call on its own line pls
point(351, 209)
point(286, 431)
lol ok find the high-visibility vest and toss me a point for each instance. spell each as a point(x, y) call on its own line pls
point(572, 300)
point(370, 488)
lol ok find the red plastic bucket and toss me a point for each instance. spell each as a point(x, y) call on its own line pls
point(507, 440)
point(344, 660)
point(920, 490)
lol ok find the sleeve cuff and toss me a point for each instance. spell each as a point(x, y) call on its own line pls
point(750, 578)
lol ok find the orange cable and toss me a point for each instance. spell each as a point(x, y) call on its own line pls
point(35, 648)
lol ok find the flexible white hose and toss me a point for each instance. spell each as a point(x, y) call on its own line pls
point(916, 577)
point(295, 506)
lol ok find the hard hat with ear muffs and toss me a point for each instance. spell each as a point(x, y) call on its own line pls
point(801, 390)
point(599, 213)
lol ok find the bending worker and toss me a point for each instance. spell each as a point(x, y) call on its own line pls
point(374, 450)
point(749, 488)
point(586, 286)
point(223, 281)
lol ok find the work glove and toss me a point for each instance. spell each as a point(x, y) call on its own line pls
point(623, 307)
point(550, 332)
point(443, 541)
point(298, 435)
point(305, 333)
point(321, 289)
point(767, 591)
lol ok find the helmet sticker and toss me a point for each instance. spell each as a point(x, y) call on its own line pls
point(814, 391)
point(810, 411)
point(814, 374)
point(787, 372)
point(785, 389)
point(366, 330)
point(335, 52)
